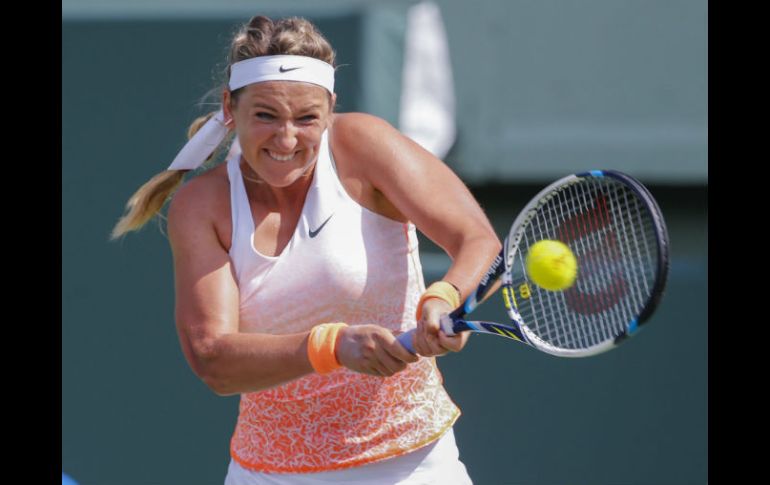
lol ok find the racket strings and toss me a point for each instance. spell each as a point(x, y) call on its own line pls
point(585, 246)
point(610, 231)
point(572, 334)
point(618, 274)
point(635, 252)
point(590, 246)
point(606, 251)
point(565, 331)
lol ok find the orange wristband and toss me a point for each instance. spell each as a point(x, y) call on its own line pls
point(322, 346)
point(442, 290)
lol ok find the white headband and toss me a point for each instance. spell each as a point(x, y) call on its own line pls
point(282, 68)
point(243, 73)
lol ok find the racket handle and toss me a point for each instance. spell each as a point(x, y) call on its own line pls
point(405, 339)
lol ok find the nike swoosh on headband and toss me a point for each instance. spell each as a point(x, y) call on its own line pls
point(287, 69)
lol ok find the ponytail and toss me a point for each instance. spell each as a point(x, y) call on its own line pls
point(152, 196)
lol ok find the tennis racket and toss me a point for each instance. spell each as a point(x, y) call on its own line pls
point(616, 231)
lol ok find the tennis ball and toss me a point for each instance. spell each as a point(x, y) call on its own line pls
point(552, 265)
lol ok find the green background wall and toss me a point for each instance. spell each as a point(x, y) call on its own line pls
point(133, 412)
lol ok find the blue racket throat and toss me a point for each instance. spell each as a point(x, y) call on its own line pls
point(468, 306)
point(453, 327)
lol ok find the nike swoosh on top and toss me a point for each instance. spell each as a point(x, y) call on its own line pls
point(315, 233)
point(287, 69)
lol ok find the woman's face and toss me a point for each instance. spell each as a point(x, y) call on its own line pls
point(279, 126)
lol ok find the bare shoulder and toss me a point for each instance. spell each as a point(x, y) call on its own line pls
point(365, 144)
point(353, 131)
point(201, 203)
point(201, 195)
point(360, 137)
point(371, 157)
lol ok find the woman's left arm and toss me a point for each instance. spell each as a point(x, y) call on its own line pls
point(409, 180)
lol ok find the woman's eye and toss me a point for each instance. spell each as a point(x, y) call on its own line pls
point(308, 118)
point(265, 116)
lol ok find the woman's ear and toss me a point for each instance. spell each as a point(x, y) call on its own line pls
point(226, 109)
point(332, 104)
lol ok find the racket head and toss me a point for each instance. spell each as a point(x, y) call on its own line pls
point(616, 230)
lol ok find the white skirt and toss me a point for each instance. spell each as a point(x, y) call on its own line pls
point(437, 463)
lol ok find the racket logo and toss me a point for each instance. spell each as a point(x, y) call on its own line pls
point(508, 298)
point(494, 271)
point(582, 231)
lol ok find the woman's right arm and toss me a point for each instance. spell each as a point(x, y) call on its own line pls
point(207, 302)
point(206, 309)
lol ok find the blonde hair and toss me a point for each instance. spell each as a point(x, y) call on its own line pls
point(261, 36)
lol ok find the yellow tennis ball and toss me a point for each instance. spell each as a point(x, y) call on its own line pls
point(552, 265)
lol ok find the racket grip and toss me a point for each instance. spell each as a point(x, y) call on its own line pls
point(405, 339)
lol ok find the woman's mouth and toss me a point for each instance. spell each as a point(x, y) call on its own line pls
point(280, 157)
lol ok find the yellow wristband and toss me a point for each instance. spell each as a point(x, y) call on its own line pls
point(442, 290)
point(322, 347)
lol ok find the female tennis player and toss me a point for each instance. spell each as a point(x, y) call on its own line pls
point(296, 265)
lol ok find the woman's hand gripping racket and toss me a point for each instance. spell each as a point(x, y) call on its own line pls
point(616, 231)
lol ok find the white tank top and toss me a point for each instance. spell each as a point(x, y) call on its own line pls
point(338, 248)
point(344, 263)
